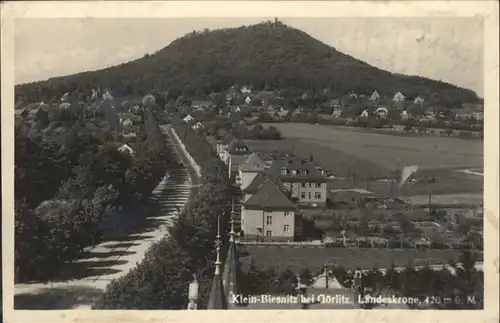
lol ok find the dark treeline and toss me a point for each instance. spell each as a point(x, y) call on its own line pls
point(67, 176)
point(161, 280)
point(438, 289)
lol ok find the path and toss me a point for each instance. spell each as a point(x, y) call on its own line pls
point(112, 259)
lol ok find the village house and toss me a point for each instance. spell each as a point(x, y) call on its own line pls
point(364, 114)
point(246, 90)
point(222, 146)
point(188, 118)
point(269, 215)
point(335, 103)
point(235, 155)
point(353, 95)
point(107, 95)
point(281, 114)
point(398, 97)
point(297, 112)
point(127, 122)
point(252, 166)
point(337, 113)
point(197, 125)
point(404, 115)
point(248, 100)
point(299, 176)
point(126, 149)
point(375, 96)
point(381, 112)
point(418, 100)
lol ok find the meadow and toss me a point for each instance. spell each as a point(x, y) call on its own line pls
point(386, 150)
point(359, 158)
point(312, 258)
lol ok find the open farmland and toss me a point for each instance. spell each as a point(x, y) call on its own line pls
point(369, 156)
point(386, 150)
point(312, 258)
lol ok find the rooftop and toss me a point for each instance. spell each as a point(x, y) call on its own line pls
point(295, 169)
point(253, 163)
point(269, 196)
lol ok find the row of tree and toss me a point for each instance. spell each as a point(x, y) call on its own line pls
point(459, 288)
point(161, 280)
point(64, 189)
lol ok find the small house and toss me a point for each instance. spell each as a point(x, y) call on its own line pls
point(127, 122)
point(188, 118)
point(381, 112)
point(418, 100)
point(337, 113)
point(126, 149)
point(398, 97)
point(246, 90)
point(248, 100)
point(364, 114)
point(404, 115)
point(198, 125)
point(375, 96)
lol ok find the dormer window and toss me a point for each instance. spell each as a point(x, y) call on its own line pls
point(294, 172)
point(284, 171)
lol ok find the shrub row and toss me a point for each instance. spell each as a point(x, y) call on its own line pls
point(161, 280)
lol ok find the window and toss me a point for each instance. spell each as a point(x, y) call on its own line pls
point(283, 171)
point(303, 195)
point(269, 219)
point(303, 184)
point(287, 213)
point(286, 228)
point(310, 195)
point(318, 185)
point(310, 184)
point(294, 172)
point(317, 195)
point(269, 233)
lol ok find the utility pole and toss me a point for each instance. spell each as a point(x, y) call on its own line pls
point(430, 205)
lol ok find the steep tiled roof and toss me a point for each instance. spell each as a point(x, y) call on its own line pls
point(299, 165)
point(269, 196)
point(257, 182)
point(252, 164)
point(237, 160)
point(217, 298)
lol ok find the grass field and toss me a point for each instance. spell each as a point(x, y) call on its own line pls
point(312, 258)
point(371, 156)
point(385, 150)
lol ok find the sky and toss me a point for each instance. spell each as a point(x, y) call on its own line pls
point(447, 49)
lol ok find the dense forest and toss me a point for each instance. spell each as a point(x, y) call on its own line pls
point(265, 56)
point(69, 172)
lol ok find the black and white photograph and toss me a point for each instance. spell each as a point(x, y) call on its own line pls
point(264, 162)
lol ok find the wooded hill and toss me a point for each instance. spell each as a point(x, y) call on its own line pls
point(265, 56)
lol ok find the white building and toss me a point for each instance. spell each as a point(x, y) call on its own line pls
point(246, 90)
point(126, 149)
point(418, 100)
point(364, 114)
point(127, 122)
point(248, 100)
point(198, 125)
point(398, 97)
point(268, 214)
point(404, 115)
point(188, 118)
point(252, 166)
point(375, 96)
